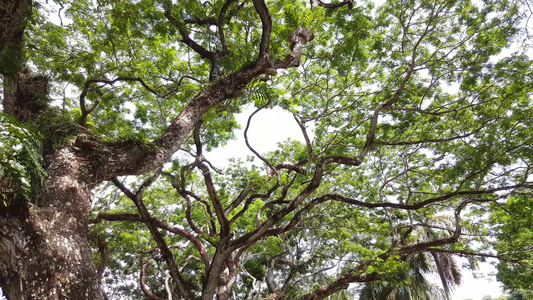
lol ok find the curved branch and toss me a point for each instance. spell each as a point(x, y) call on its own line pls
point(248, 142)
point(220, 25)
point(146, 291)
point(266, 22)
point(307, 141)
point(86, 88)
point(183, 286)
point(186, 39)
point(171, 228)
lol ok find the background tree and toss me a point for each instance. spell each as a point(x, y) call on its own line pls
point(413, 122)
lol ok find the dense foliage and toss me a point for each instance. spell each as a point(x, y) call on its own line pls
point(416, 144)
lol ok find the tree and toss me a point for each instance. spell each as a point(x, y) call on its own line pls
point(411, 281)
point(513, 225)
point(409, 113)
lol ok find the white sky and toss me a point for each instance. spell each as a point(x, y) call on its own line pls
point(267, 128)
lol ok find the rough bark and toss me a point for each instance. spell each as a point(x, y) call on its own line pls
point(44, 251)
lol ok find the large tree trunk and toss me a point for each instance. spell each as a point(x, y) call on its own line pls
point(45, 253)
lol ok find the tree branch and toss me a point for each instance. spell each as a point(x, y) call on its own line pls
point(171, 228)
point(146, 291)
point(118, 159)
point(208, 180)
point(183, 286)
point(266, 22)
point(333, 5)
point(298, 39)
point(86, 88)
point(220, 25)
point(248, 143)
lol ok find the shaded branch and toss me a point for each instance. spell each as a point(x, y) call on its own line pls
point(208, 180)
point(171, 228)
point(315, 3)
point(146, 291)
point(186, 39)
point(183, 286)
point(198, 21)
point(86, 89)
point(220, 25)
point(266, 22)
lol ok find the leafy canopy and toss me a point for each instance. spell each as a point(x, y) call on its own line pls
point(416, 125)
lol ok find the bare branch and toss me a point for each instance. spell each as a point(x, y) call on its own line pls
point(171, 228)
point(183, 286)
point(248, 143)
point(146, 291)
point(266, 22)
